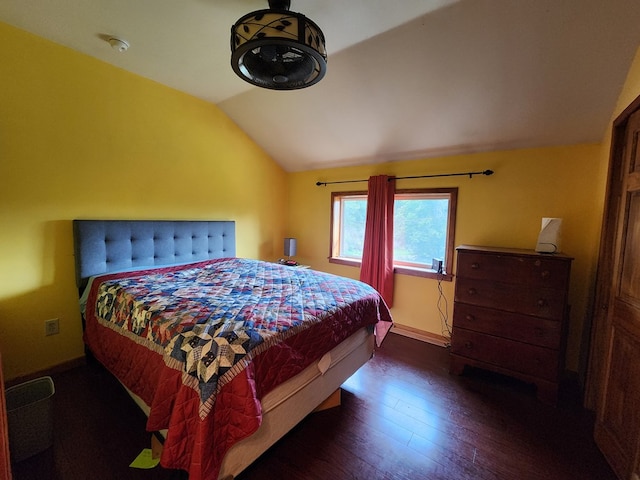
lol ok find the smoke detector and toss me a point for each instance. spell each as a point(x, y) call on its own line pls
point(118, 44)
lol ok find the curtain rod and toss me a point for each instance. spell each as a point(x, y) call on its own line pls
point(470, 174)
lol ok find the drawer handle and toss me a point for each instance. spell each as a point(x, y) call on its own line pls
point(545, 274)
point(468, 345)
point(472, 291)
point(471, 318)
point(539, 332)
point(542, 302)
point(475, 265)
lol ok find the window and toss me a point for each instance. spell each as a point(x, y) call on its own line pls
point(423, 229)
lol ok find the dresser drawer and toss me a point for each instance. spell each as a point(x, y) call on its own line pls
point(535, 271)
point(541, 302)
point(522, 328)
point(528, 359)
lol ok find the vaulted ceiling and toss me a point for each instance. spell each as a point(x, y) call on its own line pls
point(406, 79)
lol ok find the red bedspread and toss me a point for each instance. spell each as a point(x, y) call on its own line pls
point(233, 330)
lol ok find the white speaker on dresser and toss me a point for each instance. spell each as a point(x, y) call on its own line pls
point(550, 236)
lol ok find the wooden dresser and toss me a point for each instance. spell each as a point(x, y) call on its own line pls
point(510, 314)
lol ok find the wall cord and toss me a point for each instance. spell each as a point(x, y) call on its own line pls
point(443, 312)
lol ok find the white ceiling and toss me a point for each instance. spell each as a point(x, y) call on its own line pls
point(406, 78)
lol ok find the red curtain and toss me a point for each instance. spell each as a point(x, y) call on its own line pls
point(377, 255)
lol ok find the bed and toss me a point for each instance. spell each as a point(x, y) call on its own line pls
point(225, 355)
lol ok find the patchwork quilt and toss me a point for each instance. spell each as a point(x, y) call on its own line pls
point(203, 343)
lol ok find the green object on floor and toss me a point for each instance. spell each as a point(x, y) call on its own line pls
point(145, 460)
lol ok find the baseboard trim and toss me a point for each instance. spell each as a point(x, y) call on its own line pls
point(56, 369)
point(421, 335)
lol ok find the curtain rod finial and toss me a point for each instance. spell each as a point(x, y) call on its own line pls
point(488, 172)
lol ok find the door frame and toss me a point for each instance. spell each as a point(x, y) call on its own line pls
point(600, 322)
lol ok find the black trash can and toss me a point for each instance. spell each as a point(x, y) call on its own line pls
point(30, 417)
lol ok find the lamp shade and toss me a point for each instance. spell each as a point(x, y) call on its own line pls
point(290, 247)
point(278, 49)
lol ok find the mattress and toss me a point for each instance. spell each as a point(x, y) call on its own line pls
point(286, 405)
point(208, 367)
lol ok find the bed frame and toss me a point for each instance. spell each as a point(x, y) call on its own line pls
point(104, 246)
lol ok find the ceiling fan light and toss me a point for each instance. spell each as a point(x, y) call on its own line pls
point(278, 49)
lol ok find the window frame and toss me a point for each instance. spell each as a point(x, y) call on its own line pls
point(451, 193)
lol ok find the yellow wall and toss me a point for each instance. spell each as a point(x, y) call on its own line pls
point(631, 89)
point(504, 209)
point(82, 139)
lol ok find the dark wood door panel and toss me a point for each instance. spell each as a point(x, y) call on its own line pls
point(617, 429)
point(621, 414)
point(630, 278)
point(619, 421)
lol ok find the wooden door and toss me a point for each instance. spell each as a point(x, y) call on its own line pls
point(5, 463)
point(617, 430)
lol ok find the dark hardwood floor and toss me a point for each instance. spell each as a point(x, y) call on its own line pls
point(403, 417)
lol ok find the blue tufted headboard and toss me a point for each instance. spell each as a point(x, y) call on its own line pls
point(103, 246)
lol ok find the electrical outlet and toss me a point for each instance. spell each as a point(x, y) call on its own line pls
point(51, 327)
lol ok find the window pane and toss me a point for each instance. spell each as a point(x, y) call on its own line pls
point(354, 215)
point(424, 228)
point(420, 230)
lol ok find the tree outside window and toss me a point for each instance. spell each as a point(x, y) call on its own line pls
point(423, 223)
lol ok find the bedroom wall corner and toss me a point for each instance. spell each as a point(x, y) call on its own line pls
point(83, 139)
point(629, 92)
point(503, 210)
